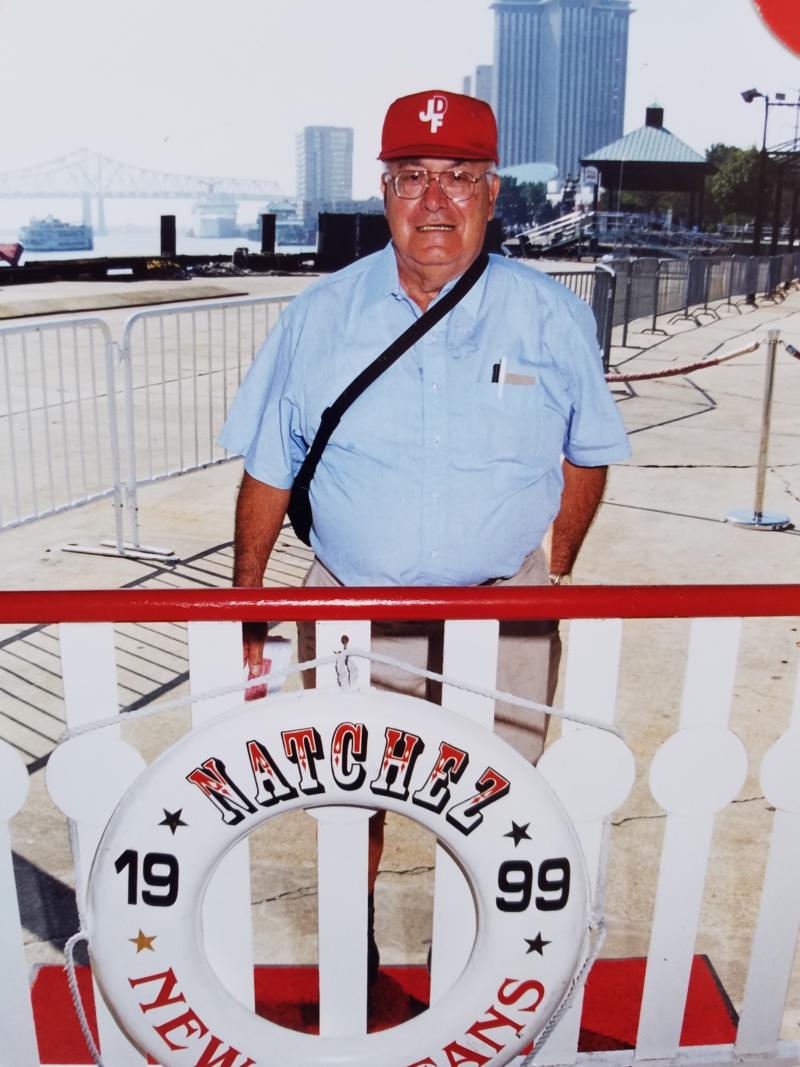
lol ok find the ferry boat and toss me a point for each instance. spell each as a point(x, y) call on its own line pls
point(215, 216)
point(53, 235)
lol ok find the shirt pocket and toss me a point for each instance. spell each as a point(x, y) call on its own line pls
point(502, 427)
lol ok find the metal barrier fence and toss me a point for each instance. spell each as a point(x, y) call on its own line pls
point(83, 418)
point(708, 847)
point(686, 288)
point(181, 368)
point(598, 289)
point(58, 419)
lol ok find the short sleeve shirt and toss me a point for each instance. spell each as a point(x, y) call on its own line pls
point(436, 475)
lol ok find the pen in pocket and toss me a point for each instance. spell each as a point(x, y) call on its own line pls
point(499, 375)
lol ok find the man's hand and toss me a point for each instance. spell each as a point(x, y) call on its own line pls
point(260, 511)
point(580, 499)
point(254, 634)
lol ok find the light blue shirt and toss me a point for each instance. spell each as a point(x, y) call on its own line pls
point(435, 475)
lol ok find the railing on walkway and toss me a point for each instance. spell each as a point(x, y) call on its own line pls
point(696, 775)
point(649, 288)
point(82, 418)
point(617, 230)
point(598, 289)
point(58, 419)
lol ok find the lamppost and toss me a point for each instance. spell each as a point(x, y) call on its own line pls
point(749, 95)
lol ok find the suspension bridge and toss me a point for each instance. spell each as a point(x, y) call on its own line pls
point(91, 176)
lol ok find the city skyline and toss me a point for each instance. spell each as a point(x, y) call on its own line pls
point(164, 87)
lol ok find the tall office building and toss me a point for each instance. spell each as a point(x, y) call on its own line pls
point(325, 165)
point(479, 84)
point(559, 78)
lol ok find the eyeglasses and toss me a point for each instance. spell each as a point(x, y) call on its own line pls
point(457, 185)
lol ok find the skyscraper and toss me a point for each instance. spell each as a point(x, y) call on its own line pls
point(325, 165)
point(559, 78)
point(479, 84)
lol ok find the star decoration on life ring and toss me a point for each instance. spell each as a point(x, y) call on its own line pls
point(142, 942)
point(536, 944)
point(518, 833)
point(173, 820)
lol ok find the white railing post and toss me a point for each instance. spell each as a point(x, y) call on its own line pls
point(470, 654)
point(113, 422)
point(215, 660)
point(17, 1030)
point(342, 868)
point(775, 939)
point(694, 774)
point(592, 773)
point(130, 488)
point(87, 776)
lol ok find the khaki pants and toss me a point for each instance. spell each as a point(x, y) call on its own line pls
point(528, 658)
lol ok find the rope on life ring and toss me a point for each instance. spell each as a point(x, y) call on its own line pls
point(493, 811)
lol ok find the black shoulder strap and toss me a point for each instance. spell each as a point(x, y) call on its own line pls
point(299, 506)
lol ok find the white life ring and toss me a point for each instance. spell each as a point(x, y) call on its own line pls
point(491, 809)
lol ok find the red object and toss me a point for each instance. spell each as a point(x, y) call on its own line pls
point(11, 253)
point(783, 18)
point(289, 996)
point(488, 602)
point(439, 125)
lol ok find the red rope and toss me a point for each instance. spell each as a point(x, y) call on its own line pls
point(673, 371)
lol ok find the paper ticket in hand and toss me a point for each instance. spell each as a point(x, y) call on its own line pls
point(277, 652)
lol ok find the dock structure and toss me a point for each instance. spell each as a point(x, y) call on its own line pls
point(693, 890)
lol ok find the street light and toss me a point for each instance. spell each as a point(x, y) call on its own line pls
point(749, 95)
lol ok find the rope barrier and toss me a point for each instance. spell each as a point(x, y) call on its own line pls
point(599, 929)
point(343, 671)
point(674, 371)
point(75, 993)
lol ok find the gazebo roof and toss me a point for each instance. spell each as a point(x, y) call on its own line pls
point(651, 143)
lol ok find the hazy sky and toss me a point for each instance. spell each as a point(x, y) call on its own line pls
point(212, 87)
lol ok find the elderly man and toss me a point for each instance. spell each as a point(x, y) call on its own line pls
point(450, 468)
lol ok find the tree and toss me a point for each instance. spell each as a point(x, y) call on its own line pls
point(734, 188)
point(518, 203)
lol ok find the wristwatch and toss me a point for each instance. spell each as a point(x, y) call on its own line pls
point(561, 579)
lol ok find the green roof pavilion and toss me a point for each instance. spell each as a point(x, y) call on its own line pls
point(652, 159)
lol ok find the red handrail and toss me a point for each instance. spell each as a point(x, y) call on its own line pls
point(578, 602)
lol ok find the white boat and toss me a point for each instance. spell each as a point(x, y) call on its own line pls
point(53, 235)
point(215, 216)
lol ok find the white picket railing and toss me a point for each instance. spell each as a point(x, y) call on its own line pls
point(694, 775)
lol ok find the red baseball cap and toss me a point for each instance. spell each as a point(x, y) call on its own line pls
point(439, 125)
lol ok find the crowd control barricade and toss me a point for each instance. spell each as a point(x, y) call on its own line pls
point(597, 288)
point(694, 287)
point(726, 813)
point(58, 419)
point(181, 368)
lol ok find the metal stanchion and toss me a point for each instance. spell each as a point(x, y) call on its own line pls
point(656, 282)
point(758, 519)
point(628, 296)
